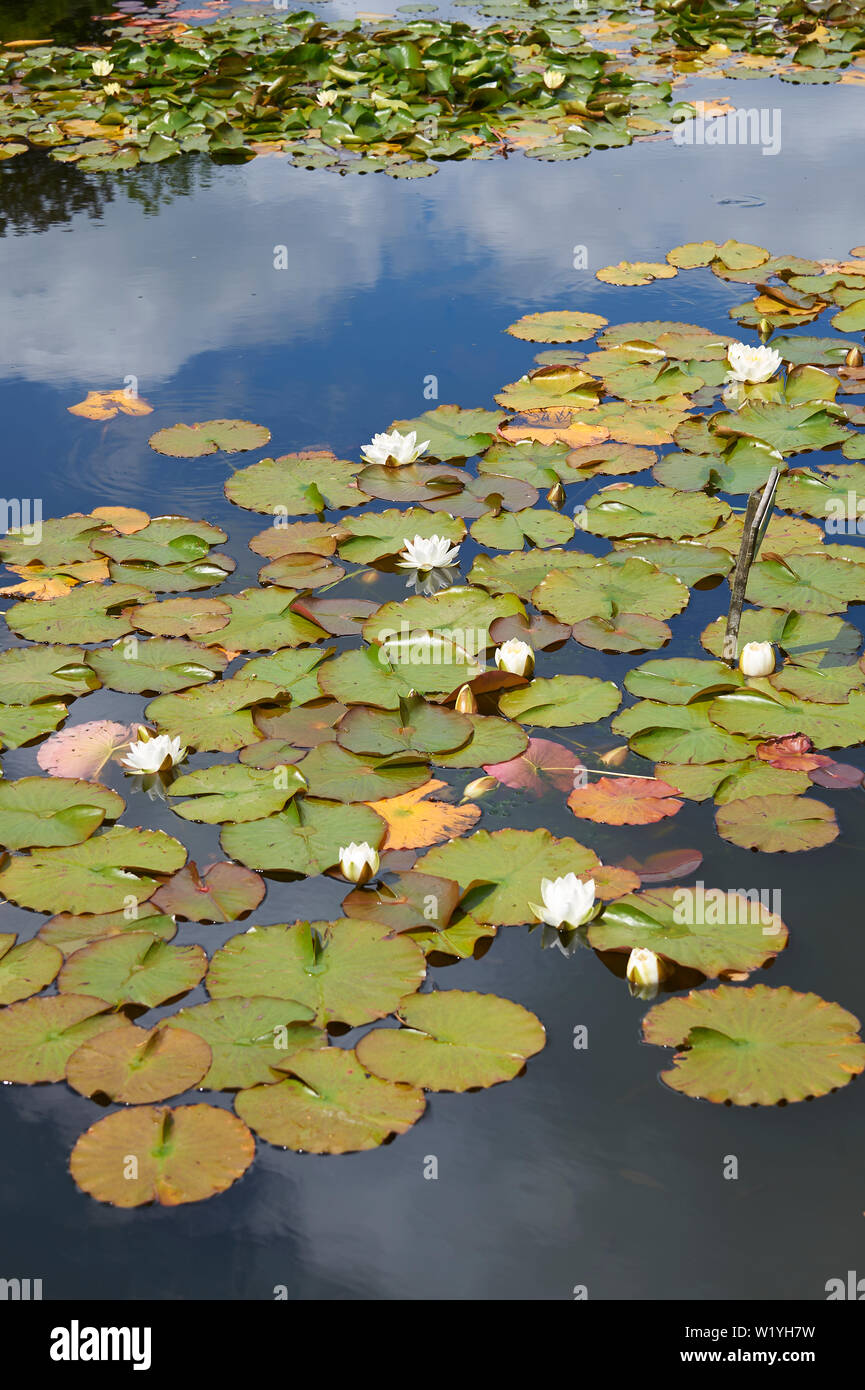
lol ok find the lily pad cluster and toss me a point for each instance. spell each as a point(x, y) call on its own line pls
point(315, 721)
point(361, 97)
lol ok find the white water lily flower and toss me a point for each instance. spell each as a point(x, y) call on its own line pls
point(101, 67)
point(752, 363)
point(401, 448)
point(757, 659)
point(148, 754)
point(427, 553)
point(644, 972)
point(515, 657)
point(567, 902)
point(358, 863)
point(112, 89)
point(327, 96)
point(553, 79)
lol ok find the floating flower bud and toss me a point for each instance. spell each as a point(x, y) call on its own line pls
point(614, 757)
point(556, 495)
point(757, 659)
point(358, 863)
point(644, 972)
point(478, 788)
point(465, 701)
point(854, 357)
point(516, 657)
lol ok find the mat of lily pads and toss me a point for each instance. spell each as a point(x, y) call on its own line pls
point(545, 79)
point(369, 743)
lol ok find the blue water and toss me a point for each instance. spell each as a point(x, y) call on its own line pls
point(586, 1170)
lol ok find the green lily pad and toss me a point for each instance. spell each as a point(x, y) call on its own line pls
point(428, 729)
point(652, 511)
point(231, 792)
point(806, 638)
point(377, 534)
point(557, 326)
point(293, 670)
point(760, 714)
point(348, 971)
point(686, 560)
point(296, 485)
point(37, 812)
point(69, 933)
point(756, 1046)
point(681, 679)
point(25, 968)
point(330, 1105)
point(209, 437)
point(158, 666)
point(453, 432)
point(728, 782)
point(454, 1040)
point(791, 429)
point(678, 733)
point(305, 838)
point(627, 632)
point(561, 701)
point(166, 540)
point(465, 613)
point(493, 740)
point(709, 930)
point(604, 590)
point(64, 540)
point(137, 1066)
point(213, 718)
point(183, 1155)
point(222, 893)
point(507, 866)
point(181, 617)
point(28, 674)
point(510, 530)
point(38, 1036)
point(382, 676)
point(262, 620)
point(333, 773)
point(520, 572)
point(248, 1037)
point(806, 583)
point(20, 724)
point(96, 876)
point(133, 969)
point(775, 823)
point(89, 613)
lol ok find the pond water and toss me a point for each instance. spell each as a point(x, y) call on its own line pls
point(586, 1170)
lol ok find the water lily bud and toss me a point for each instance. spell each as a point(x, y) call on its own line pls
point(358, 863)
point(644, 972)
point(466, 702)
point(478, 788)
point(553, 79)
point(556, 496)
point(515, 657)
point(757, 659)
point(854, 357)
point(614, 757)
point(764, 328)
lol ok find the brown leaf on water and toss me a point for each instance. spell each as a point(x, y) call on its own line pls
point(104, 405)
point(412, 821)
point(625, 801)
point(126, 520)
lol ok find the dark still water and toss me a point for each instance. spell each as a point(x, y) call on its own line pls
point(586, 1170)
